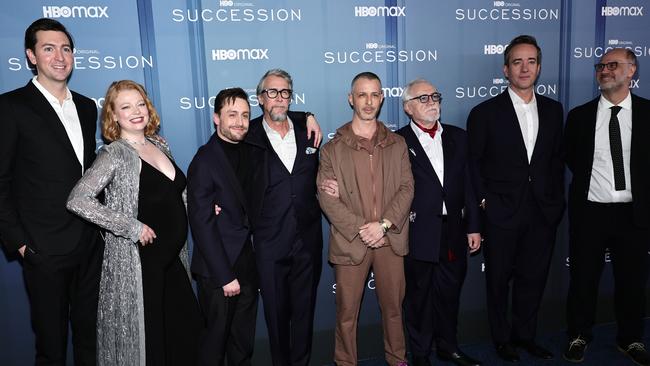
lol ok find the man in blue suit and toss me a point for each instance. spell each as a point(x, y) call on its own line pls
point(288, 230)
point(444, 223)
point(515, 142)
point(230, 173)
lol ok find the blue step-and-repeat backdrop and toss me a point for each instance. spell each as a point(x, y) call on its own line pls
point(185, 51)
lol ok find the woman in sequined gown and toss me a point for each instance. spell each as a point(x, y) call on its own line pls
point(147, 312)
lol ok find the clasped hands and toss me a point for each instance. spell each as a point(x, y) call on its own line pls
point(371, 234)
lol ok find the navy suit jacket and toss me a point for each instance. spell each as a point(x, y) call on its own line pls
point(457, 191)
point(38, 168)
point(505, 176)
point(219, 239)
point(289, 208)
point(579, 137)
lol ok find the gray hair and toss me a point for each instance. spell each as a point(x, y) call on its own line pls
point(274, 72)
point(406, 94)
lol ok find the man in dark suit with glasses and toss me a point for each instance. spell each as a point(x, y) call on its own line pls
point(287, 233)
point(444, 223)
point(609, 206)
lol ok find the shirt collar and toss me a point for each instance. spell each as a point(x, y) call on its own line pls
point(51, 98)
point(419, 133)
point(517, 100)
point(603, 103)
point(269, 129)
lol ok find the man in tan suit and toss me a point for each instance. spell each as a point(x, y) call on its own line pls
point(369, 226)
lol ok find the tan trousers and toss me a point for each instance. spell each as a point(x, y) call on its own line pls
point(389, 285)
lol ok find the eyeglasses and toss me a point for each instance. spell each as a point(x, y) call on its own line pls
point(273, 93)
point(424, 98)
point(611, 66)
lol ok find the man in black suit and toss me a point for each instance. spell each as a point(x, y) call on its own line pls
point(47, 141)
point(515, 142)
point(444, 223)
point(288, 231)
point(229, 172)
point(609, 206)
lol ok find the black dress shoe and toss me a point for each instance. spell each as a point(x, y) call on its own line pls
point(458, 357)
point(575, 350)
point(421, 361)
point(637, 353)
point(536, 350)
point(507, 352)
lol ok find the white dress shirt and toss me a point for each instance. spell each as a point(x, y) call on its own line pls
point(601, 186)
point(528, 120)
point(433, 148)
point(67, 113)
point(285, 147)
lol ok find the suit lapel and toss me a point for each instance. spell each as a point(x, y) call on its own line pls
point(542, 131)
point(257, 135)
point(419, 155)
point(449, 154)
point(640, 125)
point(512, 124)
point(300, 135)
point(44, 109)
point(227, 170)
point(88, 128)
point(588, 133)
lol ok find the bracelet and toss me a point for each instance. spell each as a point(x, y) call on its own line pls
point(307, 114)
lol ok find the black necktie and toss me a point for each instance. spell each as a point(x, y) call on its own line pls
point(616, 148)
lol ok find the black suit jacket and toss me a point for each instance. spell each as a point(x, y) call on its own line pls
point(456, 191)
point(38, 168)
point(287, 194)
point(219, 239)
point(579, 137)
point(504, 174)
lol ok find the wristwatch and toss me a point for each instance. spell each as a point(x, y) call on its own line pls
point(307, 114)
point(384, 225)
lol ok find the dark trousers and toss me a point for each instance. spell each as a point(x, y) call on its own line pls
point(432, 300)
point(288, 288)
point(229, 333)
point(607, 226)
point(521, 254)
point(64, 289)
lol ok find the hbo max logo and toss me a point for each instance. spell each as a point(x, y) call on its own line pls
point(240, 54)
point(380, 11)
point(75, 11)
point(623, 11)
point(226, 3)
point(494, 49)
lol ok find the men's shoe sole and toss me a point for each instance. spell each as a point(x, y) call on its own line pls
point(628, 355)
point(572, 360)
